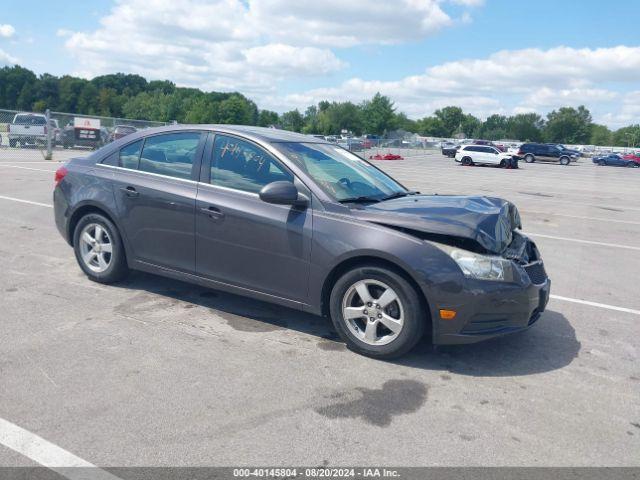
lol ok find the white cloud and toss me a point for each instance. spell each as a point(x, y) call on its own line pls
point(340, 23)
point(245, 45)
point(6, 59)
point(277, 57)
point(505, 82)
point(7, 31)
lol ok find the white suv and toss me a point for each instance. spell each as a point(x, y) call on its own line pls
point(485, 154)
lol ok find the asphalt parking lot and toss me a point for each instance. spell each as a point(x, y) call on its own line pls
point(154, 372)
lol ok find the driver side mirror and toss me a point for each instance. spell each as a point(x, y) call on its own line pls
point(283, 193)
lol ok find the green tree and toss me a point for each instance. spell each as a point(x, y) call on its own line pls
point(267, 118)
point(292, 120)
point(568, 125)
point(451, 119)
point(431, 127)
point(378, 115)
point(311, 122)
point(526, 127)
point(600, 135)
point(627, 136)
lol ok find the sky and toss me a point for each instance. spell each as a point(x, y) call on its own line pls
point(486, 56)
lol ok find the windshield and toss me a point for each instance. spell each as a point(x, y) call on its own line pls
point(30, 120)
point(340, 173)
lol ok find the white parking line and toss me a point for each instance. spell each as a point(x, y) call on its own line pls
point(27, 168)
point(588, 242)
point(49, 455)
point(2, 197)
point(596, 304)
point(596, 219)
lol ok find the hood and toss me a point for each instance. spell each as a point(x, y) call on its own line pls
point(486, 221)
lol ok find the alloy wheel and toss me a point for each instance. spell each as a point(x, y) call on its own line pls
point(96, 247)
point(373, 312)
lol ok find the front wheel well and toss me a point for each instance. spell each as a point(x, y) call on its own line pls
point(81, 212)
point(362, 261)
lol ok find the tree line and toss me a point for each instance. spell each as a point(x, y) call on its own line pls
point(132, 96)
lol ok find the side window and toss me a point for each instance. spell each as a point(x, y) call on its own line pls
point(130, 155)
point(112, 159)
point(241, 165)
point(171, 154)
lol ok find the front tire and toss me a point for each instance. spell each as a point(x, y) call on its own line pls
point(377, 312)
point(99, 250)
point(565, 160)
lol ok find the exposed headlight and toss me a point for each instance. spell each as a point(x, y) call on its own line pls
point(482, 267)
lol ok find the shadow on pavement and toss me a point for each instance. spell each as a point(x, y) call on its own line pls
point(549, 345)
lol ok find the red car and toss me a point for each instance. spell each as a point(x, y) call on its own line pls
point(635, 157)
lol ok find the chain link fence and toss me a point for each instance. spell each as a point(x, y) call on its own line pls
point(53, 135)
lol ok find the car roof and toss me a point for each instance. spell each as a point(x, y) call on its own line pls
point(269, 135)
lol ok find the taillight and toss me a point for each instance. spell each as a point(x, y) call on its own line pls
point(520, 152)
point(45, 129)
point(60, 174)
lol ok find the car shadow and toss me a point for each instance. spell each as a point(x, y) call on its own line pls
point(241, 313)
point(549, 345)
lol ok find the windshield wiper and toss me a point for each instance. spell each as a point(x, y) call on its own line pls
point(398, 195)
point(362, 199)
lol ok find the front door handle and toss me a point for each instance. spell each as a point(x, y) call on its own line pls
point(213, 212)
point(130, 191)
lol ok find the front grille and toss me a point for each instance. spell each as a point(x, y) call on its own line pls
point(536, 273)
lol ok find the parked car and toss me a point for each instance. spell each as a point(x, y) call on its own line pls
point(84, 137)
point(469, 155)
point(634, 157)
point(534, 152)
point(449, 149)
point(351, 144)
point(121, 131)
point(331, 138)
point(27, 129)
point(489, 143)
point(576, 153)
point(370, 141)
point(279, 217)
point(617, 160)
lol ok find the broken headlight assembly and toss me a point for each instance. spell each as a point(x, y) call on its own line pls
point(480, 266)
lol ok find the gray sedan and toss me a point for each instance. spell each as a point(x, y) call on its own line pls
point(301, 222)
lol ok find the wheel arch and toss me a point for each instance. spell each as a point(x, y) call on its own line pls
point(371, 260)
point(85, 209)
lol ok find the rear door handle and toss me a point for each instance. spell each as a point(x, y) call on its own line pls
point(213, 212)
point(130, 191)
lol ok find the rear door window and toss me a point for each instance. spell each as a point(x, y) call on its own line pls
point(130, 155)
point(171, 154)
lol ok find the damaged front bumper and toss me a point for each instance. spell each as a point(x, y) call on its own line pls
point(486, 309)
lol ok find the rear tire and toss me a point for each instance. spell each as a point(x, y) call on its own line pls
point(529, 158)
point(12, 143)
point(99, 249)
point(362, 322)
point(467, 162)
